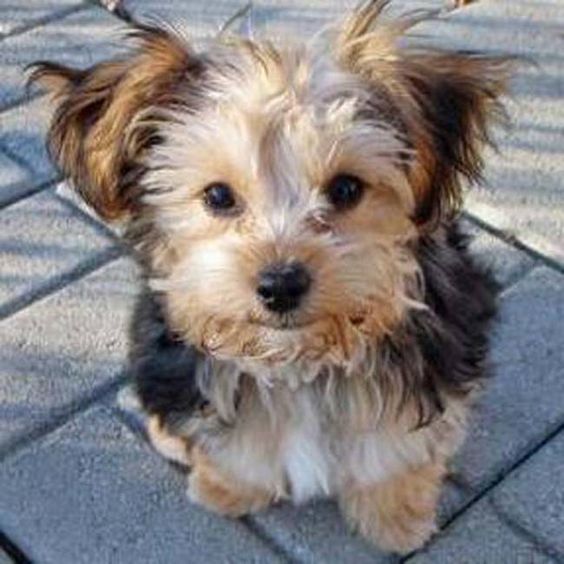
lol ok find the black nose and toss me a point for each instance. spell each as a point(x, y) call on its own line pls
point(281, 286)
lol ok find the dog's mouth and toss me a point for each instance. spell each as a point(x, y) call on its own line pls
point(282, 323)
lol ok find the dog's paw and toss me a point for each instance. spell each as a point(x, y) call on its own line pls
point(172, 447)
point(214, 491)
point(401, 536)
point(397, 515)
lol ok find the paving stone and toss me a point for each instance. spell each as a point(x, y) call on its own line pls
point(79, 39)
point(63, 349)
point(18, 16)
point(13, 177)
point(479, 536)
point(42, 240)
point(91, 492)
point(22, 131)
point(523, 400)
point(534, 495)
point(506, 262)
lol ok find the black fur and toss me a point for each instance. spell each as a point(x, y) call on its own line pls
point(163, 367)
point(450, 339)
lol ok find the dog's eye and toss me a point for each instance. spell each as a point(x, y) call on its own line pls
point(345, 191)
point(219, 197)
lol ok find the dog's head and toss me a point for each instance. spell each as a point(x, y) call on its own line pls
point(277, 193)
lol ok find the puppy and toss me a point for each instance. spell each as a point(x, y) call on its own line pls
point(311, 323)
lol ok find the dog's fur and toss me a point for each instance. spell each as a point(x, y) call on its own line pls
point(362, 392)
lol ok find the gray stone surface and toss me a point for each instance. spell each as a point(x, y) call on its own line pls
point(42, 240)
point(18, 16)
point(13, 177)
point(91, 492)
point(79, 39)
point(523, 400)
point(506, 262)
point(22, 132)
point(63, 349)
point(534, 495)
point(477, 537)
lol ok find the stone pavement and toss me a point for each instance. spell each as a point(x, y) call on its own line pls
point(78, 484)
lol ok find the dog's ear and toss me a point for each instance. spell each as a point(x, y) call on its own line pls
point(446, 102)
point(95, 137)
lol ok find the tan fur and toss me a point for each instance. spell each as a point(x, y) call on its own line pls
point(221, 493)
point(169, 445)
point(399, 513)
point(94, 136)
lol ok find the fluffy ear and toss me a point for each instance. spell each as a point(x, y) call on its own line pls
point(446, 102)
point(95, 136)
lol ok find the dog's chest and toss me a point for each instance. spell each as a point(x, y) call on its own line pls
point(306, 454)
point(300, 448)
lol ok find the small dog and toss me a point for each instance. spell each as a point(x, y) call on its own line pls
point(311, 322)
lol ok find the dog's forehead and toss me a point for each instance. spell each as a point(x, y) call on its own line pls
point(265, 79)
point(279, 123)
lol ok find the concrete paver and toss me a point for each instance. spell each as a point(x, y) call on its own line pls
point(506, 262)
point(79, 39)
point(91, 492)
point(534, 495)
point(523, 401)
point(479, 536)
point(62, 349)
point(18, 16)
point(42, 240)
point(12, 178)
point(22, 132)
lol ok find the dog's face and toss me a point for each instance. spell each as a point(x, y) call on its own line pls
point(285, 204)
point(278, 194)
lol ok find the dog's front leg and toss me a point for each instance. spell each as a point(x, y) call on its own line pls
point(397, 514)
point(217, 491)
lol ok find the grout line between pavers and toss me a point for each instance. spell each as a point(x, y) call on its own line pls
point(522, 531)
point(7, 152)
point(514, 242)
point(557, 429)
point(63, 415)
point(262, 533)
point(137, 429)
point(30, 190)
point(52, 286)
point(21, 100)
point(517, 277)
point(48, 18)
point(15, 553)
